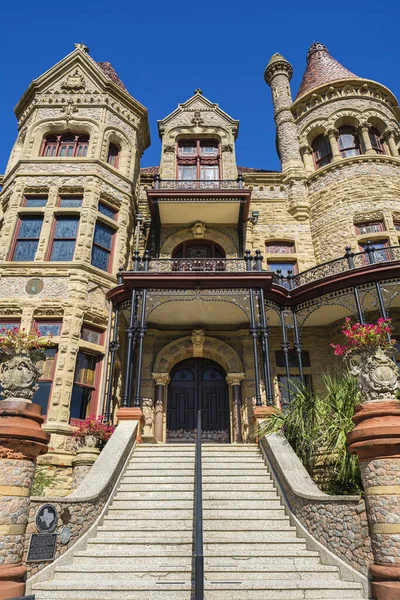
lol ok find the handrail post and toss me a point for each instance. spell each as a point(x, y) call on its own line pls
point(198, 549)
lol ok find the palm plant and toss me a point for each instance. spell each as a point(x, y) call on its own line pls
point(320, 422)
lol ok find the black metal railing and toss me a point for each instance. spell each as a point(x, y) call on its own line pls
point(163, 265)
point(348, 262)
point(198, 184)
point(198, 519)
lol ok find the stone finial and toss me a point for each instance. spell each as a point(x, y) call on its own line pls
point(277, 64)
point(316, 47)
point(198, 229)
point(198, 338)
point(198, 91)
point(82, 47)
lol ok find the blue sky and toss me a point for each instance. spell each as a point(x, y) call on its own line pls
point(163, 51)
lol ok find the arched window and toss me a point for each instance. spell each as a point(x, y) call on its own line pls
point(322, 152)
point(113, 155)
point(65, 145)
point(198, 255)
point(349, 142)
point(376, 141)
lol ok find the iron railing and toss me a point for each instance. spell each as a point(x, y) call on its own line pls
point(163, 265)
point(198, 519)
point(350, 261)
point(198, 184)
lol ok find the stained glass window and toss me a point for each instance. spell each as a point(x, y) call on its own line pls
point(102, 243)
point(27, 239)
point(35, 201)
point(91, 335)
point(107, 210)
point(279, 247)
point(45, 328)
point(64, 238)
point(9, 325)
point(71, 202)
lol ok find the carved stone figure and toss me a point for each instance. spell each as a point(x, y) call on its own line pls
point(377, 373)
point(198, 338)
point(19, 377)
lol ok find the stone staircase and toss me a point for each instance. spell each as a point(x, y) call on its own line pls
point(143, 549)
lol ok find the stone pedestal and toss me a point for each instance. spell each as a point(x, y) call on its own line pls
point(161, 380)
point(132, 414)
point(82, 463)
point(376, 441)
point(22, 440)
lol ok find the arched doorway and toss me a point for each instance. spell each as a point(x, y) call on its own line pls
point(198, 383)
point(198, 255)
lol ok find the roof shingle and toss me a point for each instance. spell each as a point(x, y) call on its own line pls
point(321, 68)
point(110, 72)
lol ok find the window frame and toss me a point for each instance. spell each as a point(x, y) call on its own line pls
point(355, 147)
point(62, 197)
point(369, 224)
point(94, 329)
point(59, 143)
point(379, 147)
point(37, 322)
point(28, 197)
point(16, 238)
point(93, 403)
point(44, 415)
point(117, 156)
point(329, 155)
point(293, 264)
point(57, 218)
point(198, 159)
point(280, 244)
point(109, 250)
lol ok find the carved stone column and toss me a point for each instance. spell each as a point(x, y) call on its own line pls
point(307, 154)
point(22, 440)
point(234, 380)
point(376, 441)
point(364, 131)
point(332, 135)
point(388, 137)
point(161, 380)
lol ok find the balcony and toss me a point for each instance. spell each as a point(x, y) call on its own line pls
point(183, 202)
point(196, 265)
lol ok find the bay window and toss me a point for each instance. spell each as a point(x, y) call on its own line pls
point(65, 145)
point(322, 152)
point(376, 141)
point(349, 142)
point(102, 246)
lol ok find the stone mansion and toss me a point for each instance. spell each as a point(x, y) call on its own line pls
point(197, 282)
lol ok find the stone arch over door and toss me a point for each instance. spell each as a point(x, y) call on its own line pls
point(212, 234)
point(213, 349)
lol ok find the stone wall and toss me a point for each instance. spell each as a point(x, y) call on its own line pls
point(337, 522)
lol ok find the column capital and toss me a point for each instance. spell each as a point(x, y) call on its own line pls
point(364, 126)
point(161, 378)
point(306, 149)
point(332, 133)
point(234, 378)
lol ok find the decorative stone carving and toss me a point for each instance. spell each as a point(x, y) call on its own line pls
point(198, 338)
point(197, 120)
point(148, 412)
point(234, 378)
point(19, 377)
point(378, 375)
point(74, 82)
point(169, 148)
point(160, 378)
point(199, 230)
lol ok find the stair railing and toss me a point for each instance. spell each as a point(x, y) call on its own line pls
point(198, 519)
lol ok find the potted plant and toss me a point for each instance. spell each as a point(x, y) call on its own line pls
point(369, 350)
point(93, 430)
point(19, 353)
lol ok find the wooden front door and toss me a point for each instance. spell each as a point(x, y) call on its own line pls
point(198, 383)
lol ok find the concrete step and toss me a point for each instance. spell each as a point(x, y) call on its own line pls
point(278, 541)
point(153, 504)
point(151, 513)
point(131, 550)
point(228, 459)
point(231, 504)
point(127, 521)
point(226, 474)
point(134, 494)
point(120, 561)
point(284, 531)
point(276, 523)
point(154, 573)
point(233, 495)
point(229, 448)
point(185, 544)
point(160, 460)
point(159, 537)
point(227, 514)
point(244, 482)
point(160, 490)
point(139, 469)
point(153, 480)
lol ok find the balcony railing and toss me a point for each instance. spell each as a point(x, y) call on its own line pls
point(198, 184)
point(189, 265)
point(351, 260)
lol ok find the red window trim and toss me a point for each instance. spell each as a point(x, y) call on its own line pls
point(93, 404)
point(109, 207)
point(10, 256)
point(328, 154)
point(199, 159)
point(357, 141)
point(78, 143)
point(97, 330)
point(117, 156)
point(110, 250)
point(52, 232)
point(44, 415)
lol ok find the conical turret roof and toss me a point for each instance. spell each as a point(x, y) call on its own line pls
point(321, 68)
